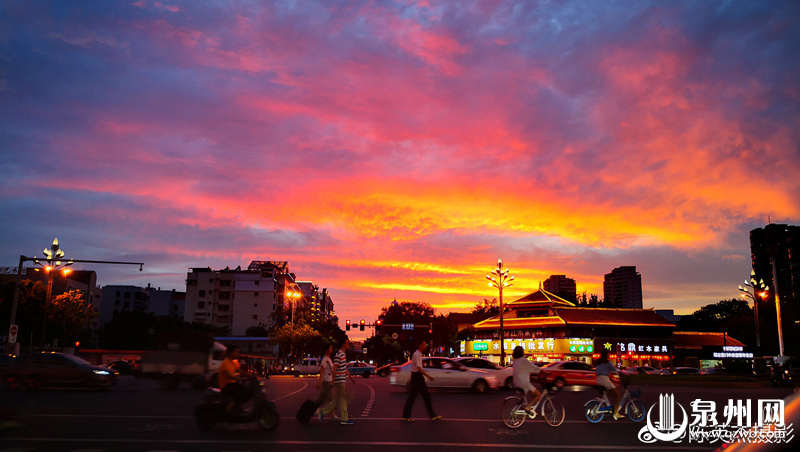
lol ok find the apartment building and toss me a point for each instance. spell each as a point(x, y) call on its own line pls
point(263, 294)
point(622, 288)
point(562, 286)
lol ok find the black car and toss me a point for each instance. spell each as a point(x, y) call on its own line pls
point(386, 370)
point(124, 367)
point(55, 369)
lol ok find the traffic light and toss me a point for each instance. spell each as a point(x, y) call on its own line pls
point(378, 323)
point(348, 325)
point(430, 328)
point(362, 324)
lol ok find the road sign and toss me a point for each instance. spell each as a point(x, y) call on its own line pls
point(408, 326)
point(12, 334)
point(395, 336)
point(364, 350)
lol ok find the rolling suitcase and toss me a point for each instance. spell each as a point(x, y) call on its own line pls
point(306, 410)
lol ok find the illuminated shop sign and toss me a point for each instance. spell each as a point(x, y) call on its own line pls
point(635, 348)
point(726, 352)
point(548, 347)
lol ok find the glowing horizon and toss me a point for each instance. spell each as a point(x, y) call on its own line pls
point(397, 149)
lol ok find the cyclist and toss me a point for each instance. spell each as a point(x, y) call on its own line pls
point(603, 371)
point(522, 378)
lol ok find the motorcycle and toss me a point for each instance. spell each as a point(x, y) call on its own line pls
point(213, 409)
point(781, 377)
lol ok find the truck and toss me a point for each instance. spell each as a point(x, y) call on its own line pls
point(183, 357)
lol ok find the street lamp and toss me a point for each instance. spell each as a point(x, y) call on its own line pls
point(499, 281)
point(292, 296)
point(51, 265)
point(754, 291)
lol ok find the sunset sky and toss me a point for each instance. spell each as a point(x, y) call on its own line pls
point(397, 149)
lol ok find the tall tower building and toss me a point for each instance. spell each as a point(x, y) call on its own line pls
point(781, 243)
point(622, 288)
point(562, 286)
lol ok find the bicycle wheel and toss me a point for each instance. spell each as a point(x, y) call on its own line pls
point(553, 412)
point(635, 410)
point(593, 413)
point(513, 412)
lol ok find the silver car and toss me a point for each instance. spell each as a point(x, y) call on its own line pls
point(446, 373)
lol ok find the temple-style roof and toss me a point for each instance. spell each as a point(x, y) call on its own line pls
point(539, 297)
point(697, 339)
point(577, 316)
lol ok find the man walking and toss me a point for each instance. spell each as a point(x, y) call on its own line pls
point(340, 375)
point(418, 385)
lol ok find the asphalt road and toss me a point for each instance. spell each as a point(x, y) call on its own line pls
point(137, 416)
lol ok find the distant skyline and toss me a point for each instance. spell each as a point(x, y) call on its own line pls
point(397, 149)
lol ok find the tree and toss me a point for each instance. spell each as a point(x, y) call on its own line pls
point(294, 338)
point(259, 330)
point(490, 307)
point(592, 301)
point(734, 317)
point(128, 330)
point(70, 315)
point(417, 313)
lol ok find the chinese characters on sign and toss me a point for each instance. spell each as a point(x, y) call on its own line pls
point(738, 422)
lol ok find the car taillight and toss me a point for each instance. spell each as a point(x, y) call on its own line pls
point(394, 369)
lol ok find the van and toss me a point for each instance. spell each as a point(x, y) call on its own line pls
point(308, 366)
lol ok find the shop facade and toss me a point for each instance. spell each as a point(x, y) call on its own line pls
point(550, 328)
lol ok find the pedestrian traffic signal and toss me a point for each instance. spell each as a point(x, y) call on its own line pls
point(362, 324)
point(348, 325)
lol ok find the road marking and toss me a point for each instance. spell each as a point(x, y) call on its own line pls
point(371, 400)
point(305, 385)
point(361, 443)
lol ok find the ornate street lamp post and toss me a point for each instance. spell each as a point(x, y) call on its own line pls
point(500, 280)
point(754, 291)
point(51, 265)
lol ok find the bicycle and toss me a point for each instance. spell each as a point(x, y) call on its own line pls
point(597, 408)
point(513, 413)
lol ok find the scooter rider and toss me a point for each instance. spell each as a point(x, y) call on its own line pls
point(230, 373)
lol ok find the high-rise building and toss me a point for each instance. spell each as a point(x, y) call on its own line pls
point(779, 243)
point(622, 288)
point(562, 286)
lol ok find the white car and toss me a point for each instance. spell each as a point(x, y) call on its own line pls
point(446, 373)
point(505, 375)
point(308, 366)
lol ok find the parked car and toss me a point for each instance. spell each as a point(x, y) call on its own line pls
point(567, 373)
point(308, 366)
point(360, 368)
point(447, 374)
point(56, 369)
point(713, 371)
point(642, 370)
point(505, 375)
point(686, 371)
point(124, 367)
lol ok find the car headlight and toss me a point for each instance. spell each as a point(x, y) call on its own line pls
point(100, 372)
